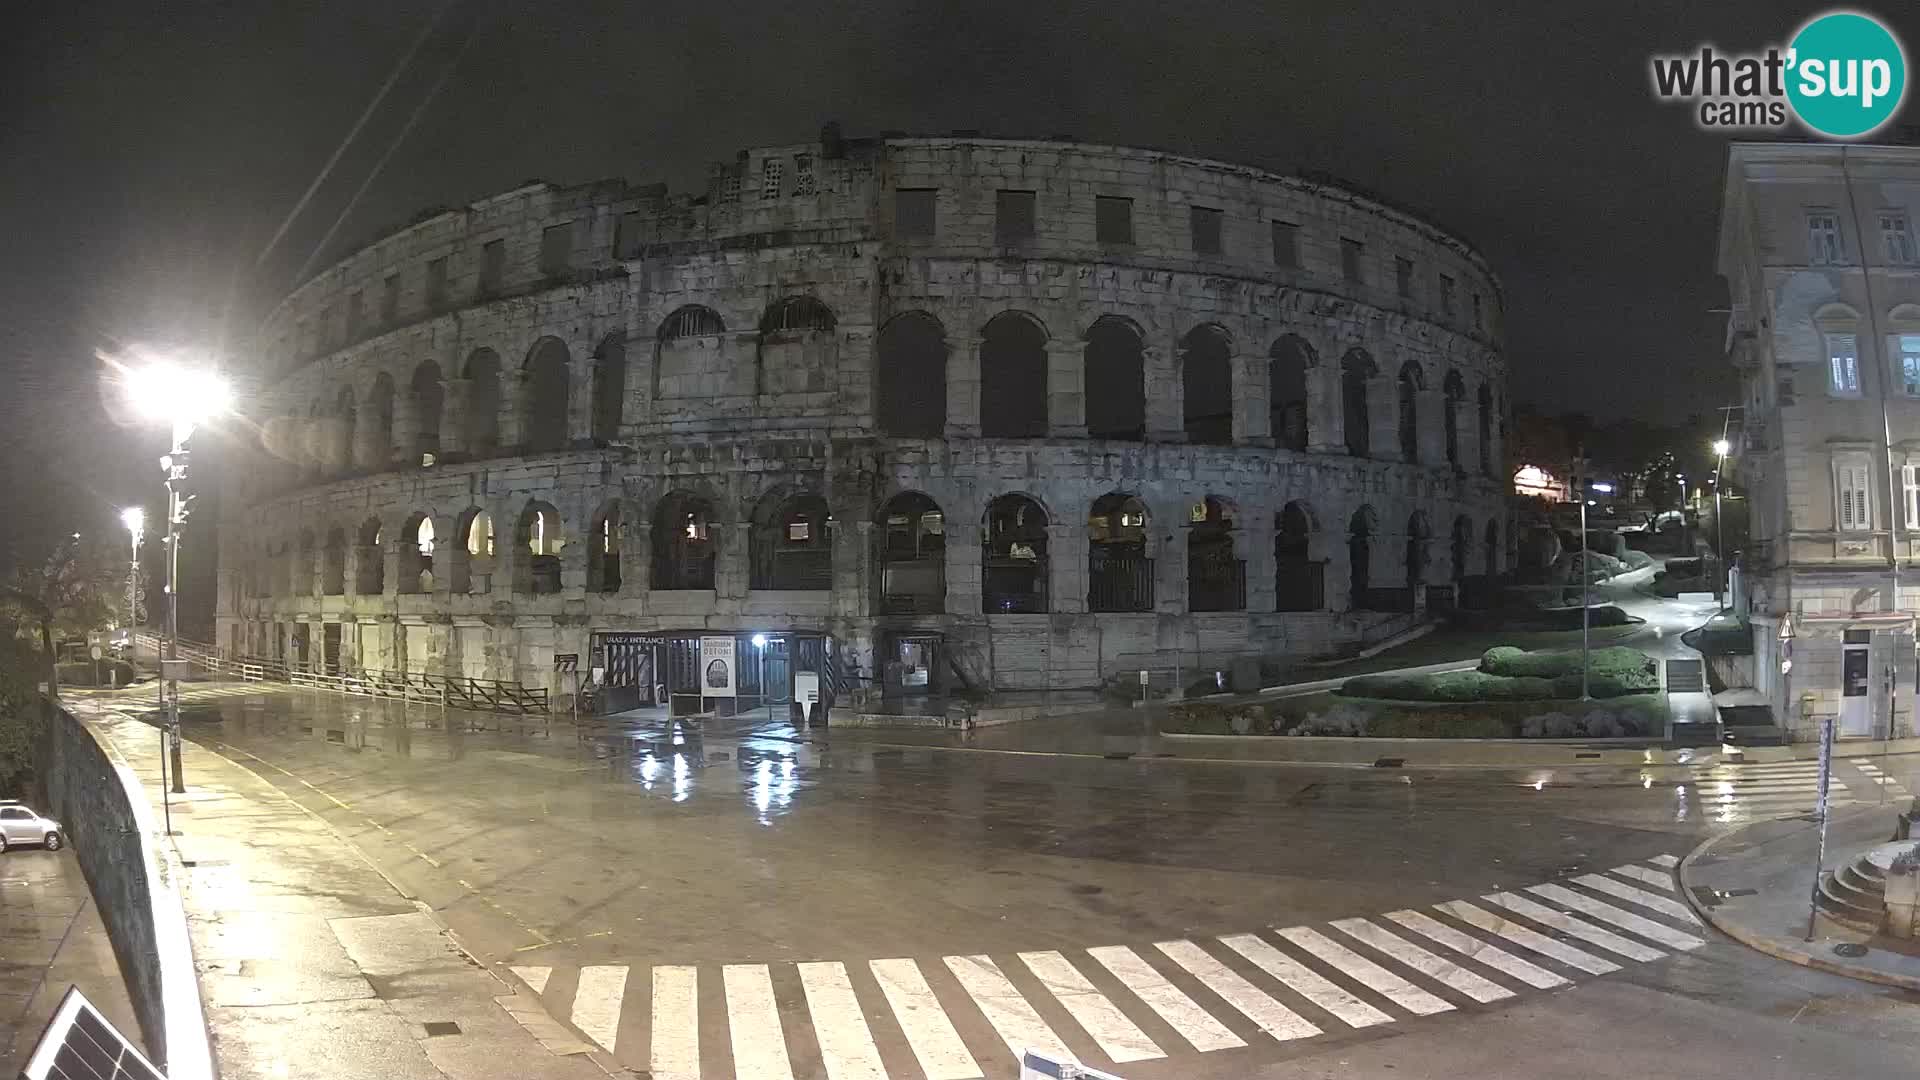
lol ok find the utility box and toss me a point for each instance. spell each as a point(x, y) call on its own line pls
point(1903, 894)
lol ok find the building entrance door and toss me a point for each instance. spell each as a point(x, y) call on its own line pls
point(1856, 709)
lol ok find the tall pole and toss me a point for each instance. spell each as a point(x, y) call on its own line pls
point(1586, 578)
point(176, 473)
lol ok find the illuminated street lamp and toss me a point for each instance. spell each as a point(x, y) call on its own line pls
point(135, 519)
point(184, 396)
point(1721, 447)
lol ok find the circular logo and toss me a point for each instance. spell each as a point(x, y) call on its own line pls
point(1848, 75)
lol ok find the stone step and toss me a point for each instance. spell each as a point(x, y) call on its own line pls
point(1856, 894)
point(1846, 909)
point(1864, 877)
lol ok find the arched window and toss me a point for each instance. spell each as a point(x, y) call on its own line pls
point(539, 536)
point(1013, 378)
point(1115, 376)
point(1355, 370)
point(370, 571)
point(1486, 430)
point(1119, 570)
point(544, 418)
point(609, 389)
point(910, 556)
point(683, 551)
point(690, 321)
point(1216, 578)
point(1013, 569)
point(345, 417)
point(472, 553)
point(1299, 582)
point(416, 555)
point(1287, 365)
point(910, 377)
point(604, 541)
point(1360, 530)
point(1418, 533)
point(483, 404)
point(798, 352)
point(429, 403)
point(796, 315)
point(792, 544)
point(1462, 548)
point(333, 563)
point(1411, 383)
point(1206, 381)
point(1492, 544)
point(379, 434)
point(1456, 391)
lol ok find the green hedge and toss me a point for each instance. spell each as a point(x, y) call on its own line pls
point(1510, 674)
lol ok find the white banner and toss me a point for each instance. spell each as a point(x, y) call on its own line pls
point(716, 667)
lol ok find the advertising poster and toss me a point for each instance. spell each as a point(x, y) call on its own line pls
point(716, 667)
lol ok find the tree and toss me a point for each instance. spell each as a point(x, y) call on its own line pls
point(82, 585)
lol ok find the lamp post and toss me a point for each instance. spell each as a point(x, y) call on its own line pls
point(135, 519)
point(184, 397)
point(1720, 449)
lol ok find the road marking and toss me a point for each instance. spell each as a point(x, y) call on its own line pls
point(1664, 860)
point(596, 1003)
point(1580, 928)
point(1672, 909)
point(1625, 920)
point(1486, 920)
point(846, 1043)
point(1366, 972)
point(675, 1054)
point(753, 1019)
point(1305, 981)
point(1018, 1023)
point(535, 977)
point(938, 1047)
point(1474, 949)
point(1193, 1023)
point(1422, 961)
point(1274, 1018)
point(1118, 1036)
point(1651, 877)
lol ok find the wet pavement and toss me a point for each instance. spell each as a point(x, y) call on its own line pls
point(51, 938)
point(682, 894)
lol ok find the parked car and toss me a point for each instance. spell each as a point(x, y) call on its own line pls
point(20, 824)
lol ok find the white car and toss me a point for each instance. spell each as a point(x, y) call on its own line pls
point(19, 825)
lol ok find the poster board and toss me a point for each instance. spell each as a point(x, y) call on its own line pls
point(718, 669)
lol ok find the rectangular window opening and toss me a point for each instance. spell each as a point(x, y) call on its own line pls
point(493, 265)
point(1403, 277)
point(556, 249)
point(1350, 251)
point(1286, 245)
point(437, 283)
point(1843, 365)
point(913, 212)
point(773, 173)
point(1206, 229)
point(1013, 216)
point(1853, 491)
point(1898, 239)
point(390, 300)
point(1446, 295)
point(1823, 238)
point(1112, 220)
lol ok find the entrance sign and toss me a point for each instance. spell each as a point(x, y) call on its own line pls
point(717, 667)
point(806, 692)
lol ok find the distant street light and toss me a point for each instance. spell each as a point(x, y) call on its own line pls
point(1722, 447)
point(135, 519)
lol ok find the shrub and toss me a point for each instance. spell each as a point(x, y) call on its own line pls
point(1440, 725)
point(1339, 720)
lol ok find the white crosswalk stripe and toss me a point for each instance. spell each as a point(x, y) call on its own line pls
point(1118, 1037)
point(1422, 961)
point(1567, 924)
point(1194, 1024)
point(1366, 972)
point(1100, 999)
point(1625, 920)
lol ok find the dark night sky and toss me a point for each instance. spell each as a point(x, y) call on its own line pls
point(148, 149)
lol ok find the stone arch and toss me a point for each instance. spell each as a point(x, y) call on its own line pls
point(1119, 554)
point(428, 397)
point(379, 430)
point(1356, 370)
point(1411, 381)
point(1216, 575)
point(416, 553)
point(690, 321)
point(1419, 532)
point(472, 552)
point(1290, 363)
point(1462, 548)
point(1362, 527)
point(910, 377)
point(1485, 420)
point(346, 422)
point(333, 563)
point(683, 542)
point(1299, 579)
point(606, 536)
point(482, 414)
point(543, 415)
point(1013, 377)
point(797, 315)
point(370, 567)
point(790, 542)
point(1115, 379)
point(609, 388)
point(797, 351)
point(910, 555)
point(1013, 556)
point(538, 536)
point(1455, 389)
point(1206, 382)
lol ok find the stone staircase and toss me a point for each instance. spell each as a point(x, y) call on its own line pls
point(1856, 894)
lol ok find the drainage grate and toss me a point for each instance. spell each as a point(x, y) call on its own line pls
point(1706, 897)
point(1850, 950)
point(442, 1027)
point(1389, 762)
point(1595, 753)
point(1118, 755)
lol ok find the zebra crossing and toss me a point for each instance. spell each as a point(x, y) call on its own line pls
point(1740, 792)
point(966, 1017)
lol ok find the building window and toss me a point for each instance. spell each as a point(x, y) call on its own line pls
point(556, 249)
point(1823, 239)
point(1286, 245)
point(1350, 259)
point(803, 181)
point(1206, 229)
point(730, 188)
point(1446, 296)
point(1843, 365)
point(356, 314)
point(1907, 347)
point(1910, 493)
point(1013, 216)
point(1403, 277)
point(436, 283)
point(390, 300)
point(1112, 220)
point(1853, 492)
point(773, 172)
point(493, 265)
point(626, 236)
point(1898, 239)
point(913, 212)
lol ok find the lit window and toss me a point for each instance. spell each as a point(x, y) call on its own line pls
point(1853, 490)
point(1843, 364)
point(1898, 239)
point(609, 537)
point(1910, 491)
point(799, 531)
point(1823, 239)
point(1908, 347)
point(480, 535)
point(424, 537)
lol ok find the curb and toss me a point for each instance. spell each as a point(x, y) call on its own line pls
point(1767, 947)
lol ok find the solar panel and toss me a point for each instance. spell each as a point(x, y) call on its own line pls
point(79, 1044)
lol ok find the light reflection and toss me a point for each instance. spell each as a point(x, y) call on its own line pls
point(1539, 785)
point(682, 777)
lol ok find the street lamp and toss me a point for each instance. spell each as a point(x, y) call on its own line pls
point(1721, 447)
point(184, 396)
point(135, 519)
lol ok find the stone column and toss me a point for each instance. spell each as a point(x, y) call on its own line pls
point(963, 568)
point(1253, 541)
point(1432, 432)
point(443, 548)
point(963, 392)
point(390, 553)
point(513, 392)
point(853, 567)
point(636, 551)
point(1326, 424)
point(1252, 396)
point(1170, 566)
point(1166, 420)
point(580, 399)
point(573, 565)
point(1066, 390)
point(316, 568)
point(1383, 416)
point(731, 574)
point(1067, 568)
point(350, 576)
point(453, 412)
point(1339, 571)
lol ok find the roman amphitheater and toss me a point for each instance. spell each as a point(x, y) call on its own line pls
point(923, 415)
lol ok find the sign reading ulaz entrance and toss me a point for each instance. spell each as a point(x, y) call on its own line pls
point(716, 667)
